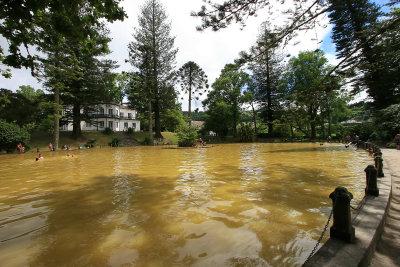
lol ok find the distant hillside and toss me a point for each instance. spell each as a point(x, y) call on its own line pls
point(196, 116)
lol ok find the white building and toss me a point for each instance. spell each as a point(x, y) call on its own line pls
point(114, 116)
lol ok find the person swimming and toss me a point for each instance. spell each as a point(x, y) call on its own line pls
point(39, 157)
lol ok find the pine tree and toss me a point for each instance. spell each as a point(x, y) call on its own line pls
point(266, 66)
point(153, 40)
point(192, 80)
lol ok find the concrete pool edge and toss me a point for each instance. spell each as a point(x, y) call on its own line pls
point(368, 224)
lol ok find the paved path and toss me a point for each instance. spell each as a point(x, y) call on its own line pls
point(388, 248)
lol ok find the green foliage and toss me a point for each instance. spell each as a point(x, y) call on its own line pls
point(246, 132)
point(115, 142)
point(153, 55)
point(365, 131)
point(228, 87)
point(130, 131)
point(387, 122)
point(91, 141)
point(30, 93)
point(360, 111)
point(11, 134)
point(370, 48)
point(192, 80)
point(22, 107)
point(25, 23)
point(308, 89)
point(196, 115)
point(219, 118)
point(172, 120)
point(187, 135)
point(108, 131)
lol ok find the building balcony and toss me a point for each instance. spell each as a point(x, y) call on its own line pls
point(127, 118)
point(113, 116)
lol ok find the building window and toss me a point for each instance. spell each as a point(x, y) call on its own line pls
point(110, 124)
point(102, 111)
point(110, 111)
point(88, 125)
point(125, 125)
point(130, 115)
point(101, 124)
point(116, 124)
point(122, 114)
point(134, 125)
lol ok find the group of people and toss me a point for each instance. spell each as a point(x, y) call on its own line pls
point(200, 142)
point(20, 148)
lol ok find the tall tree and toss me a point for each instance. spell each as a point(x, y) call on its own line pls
point(73, 70)
point(229, 88)
point(354, 23)
point(266, 66)
point(22, 23)
point(154, 45)
point(303, 82)
point(193, 80)
point(48, 25)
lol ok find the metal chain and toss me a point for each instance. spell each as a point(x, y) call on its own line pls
point(360, 205)
point(320, 238)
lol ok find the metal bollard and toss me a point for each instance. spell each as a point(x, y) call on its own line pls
point(379, 166)
point(372, 187)
point(378, 152)
point(342, 228)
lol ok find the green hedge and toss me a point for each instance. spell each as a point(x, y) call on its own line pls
point(11, 134)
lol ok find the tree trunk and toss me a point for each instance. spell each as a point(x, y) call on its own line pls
point(150, 125)
point(254, 117)
point(269, 113)
point(312, 123)
point(157, 123)
point(76, 121)
point(56, 132)
point(190, 96)
point(269, 99)
point(329, 123)
point(235, 113)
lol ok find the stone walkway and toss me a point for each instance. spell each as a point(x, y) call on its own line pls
point(388, 248)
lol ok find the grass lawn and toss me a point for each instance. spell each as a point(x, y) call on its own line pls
point(41, 140)
point(168, 137)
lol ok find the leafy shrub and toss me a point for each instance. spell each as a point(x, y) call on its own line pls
point(363, 130)
point(388, 122)
point(246, 132)
point(108, 131)
point(130, 131)
point(11, 134)
point(115, 142)
point(187, 136)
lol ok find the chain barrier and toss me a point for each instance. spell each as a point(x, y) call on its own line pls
point(358, 208)
point(320, 238)
point(360, 205)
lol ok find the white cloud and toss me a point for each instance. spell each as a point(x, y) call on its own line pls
point(210, 50)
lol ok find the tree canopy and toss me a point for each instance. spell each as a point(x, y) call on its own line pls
point(152, 53)
point(192, 80)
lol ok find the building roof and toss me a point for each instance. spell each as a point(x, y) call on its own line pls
point(198, 123)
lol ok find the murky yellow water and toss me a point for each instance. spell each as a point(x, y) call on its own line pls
point(230, 205)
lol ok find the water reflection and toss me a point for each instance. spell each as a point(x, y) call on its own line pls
point(233, 205)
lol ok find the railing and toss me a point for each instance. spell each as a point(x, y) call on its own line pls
point(342, 227)
point(126, 118)
point(114, 116)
